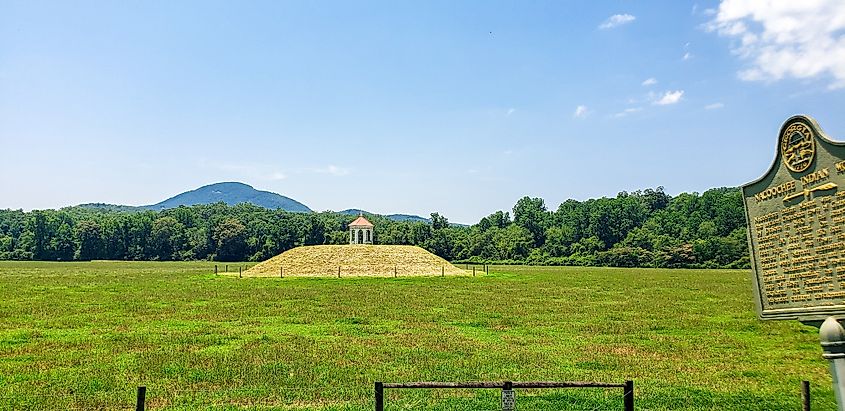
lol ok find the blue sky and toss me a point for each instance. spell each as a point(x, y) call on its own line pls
point(413, 107)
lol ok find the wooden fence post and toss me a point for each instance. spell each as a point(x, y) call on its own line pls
point(379, 396)
point(395, 273)
point(628, 399)
point(442, 271)
point(227, 268)
point(473, 271)
point(141, 398)
point(281, 272)
point(338, 271)
point(215, 269)
point(805, 395)
point(239, 272)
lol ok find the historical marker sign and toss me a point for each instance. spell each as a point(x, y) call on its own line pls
point(796, 226)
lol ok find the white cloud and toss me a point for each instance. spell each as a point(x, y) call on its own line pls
point(580, 112)
point(786, 39)
point(333, 170)
point(510, 111)
point(650, 81)
point(669, 97)
point(714, 106)
point(627, 111)
point(616, 20)
point(687, 56)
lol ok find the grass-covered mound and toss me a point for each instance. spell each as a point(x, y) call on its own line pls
point(354, 261)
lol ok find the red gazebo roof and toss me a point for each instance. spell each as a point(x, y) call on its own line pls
point(360, 222)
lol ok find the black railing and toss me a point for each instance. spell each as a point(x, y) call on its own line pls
point(505, 386)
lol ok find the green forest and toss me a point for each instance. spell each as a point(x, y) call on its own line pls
point(645, 228)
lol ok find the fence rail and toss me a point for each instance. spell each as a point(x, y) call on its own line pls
point(627, 386)
point(507, 389)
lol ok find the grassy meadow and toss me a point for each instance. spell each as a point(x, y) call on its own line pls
point(84, 335)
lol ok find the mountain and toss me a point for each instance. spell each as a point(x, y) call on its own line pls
point(394, 217)
point(235, 193)
point(231, 193)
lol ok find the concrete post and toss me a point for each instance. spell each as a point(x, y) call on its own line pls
point(832, 337)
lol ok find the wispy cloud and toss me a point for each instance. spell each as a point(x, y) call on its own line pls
point(783, 39)
point(649, 82)
point(687, 54)
point(714, 106)
point(669, 97)
point(628, 111)
point(616, 20)
point(581, 112)
point(510, 111)
point(330, 169)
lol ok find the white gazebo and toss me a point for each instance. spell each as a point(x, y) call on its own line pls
point(361, 231)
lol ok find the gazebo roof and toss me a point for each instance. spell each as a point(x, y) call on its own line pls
point(361, 222)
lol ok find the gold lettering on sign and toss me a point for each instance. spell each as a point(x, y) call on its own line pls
point(774, 192)
point(800, 249)
point(815, 177)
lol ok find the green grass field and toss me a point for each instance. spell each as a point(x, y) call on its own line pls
point(84, 335)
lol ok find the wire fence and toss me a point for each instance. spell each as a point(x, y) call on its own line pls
point(508, 396)
point(396, 270)
point(459, 398)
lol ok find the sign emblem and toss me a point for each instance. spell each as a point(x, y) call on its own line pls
point(797, 147)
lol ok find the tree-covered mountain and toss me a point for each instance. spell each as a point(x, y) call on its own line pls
point(393, 217)
point(231, 193)
point(110, 207)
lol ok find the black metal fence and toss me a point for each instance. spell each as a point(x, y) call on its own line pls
point(507, 387)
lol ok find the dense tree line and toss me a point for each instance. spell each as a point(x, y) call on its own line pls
point(644, 228)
